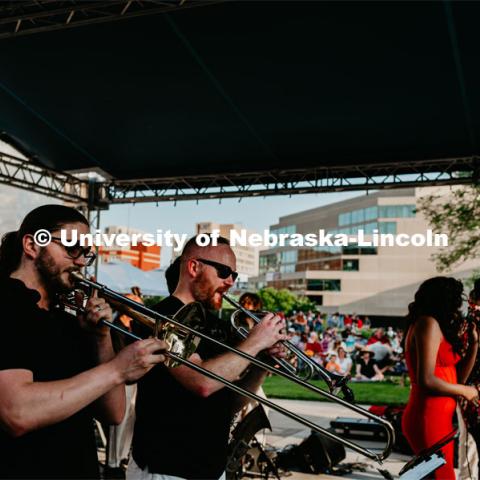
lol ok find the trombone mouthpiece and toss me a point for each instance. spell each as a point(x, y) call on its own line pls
point(76, 276)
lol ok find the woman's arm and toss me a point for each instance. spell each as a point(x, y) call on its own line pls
point(427, 337)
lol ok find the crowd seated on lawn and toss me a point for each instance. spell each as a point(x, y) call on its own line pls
point(346, 345)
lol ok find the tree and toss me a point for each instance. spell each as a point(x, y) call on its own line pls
point(284, 300)
point(459, 218)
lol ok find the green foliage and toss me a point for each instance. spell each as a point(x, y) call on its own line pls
point(283, 300)
point(275, 300)
point(305, 304)
point(468, 283)
point(153, 300)
point(459, 218)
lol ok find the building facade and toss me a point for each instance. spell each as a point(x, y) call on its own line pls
point(140, 256)
point(376, 281)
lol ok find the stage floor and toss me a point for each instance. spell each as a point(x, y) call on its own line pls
point(286, 431)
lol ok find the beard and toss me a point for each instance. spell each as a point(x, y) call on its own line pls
point(204, 292)
point(51, 274)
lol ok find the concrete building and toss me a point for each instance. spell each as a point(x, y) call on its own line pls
point(375, 281)
point(140, 256)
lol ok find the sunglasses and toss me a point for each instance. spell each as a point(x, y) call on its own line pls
point(223, 271)
point(76, 251)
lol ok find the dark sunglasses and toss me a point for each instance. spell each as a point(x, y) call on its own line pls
point(76, 251)
point(223, 271)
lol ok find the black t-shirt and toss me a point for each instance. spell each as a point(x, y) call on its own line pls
point(177, 432)
point(53, 347)
point(367, 369)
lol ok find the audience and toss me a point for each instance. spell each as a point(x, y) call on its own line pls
point(338, 342)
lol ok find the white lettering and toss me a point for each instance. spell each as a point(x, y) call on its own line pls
point(203, 240)
point(181, 240)
point(403, 240)
point(341, 240)
point(441, 240)
point(310, 240)
point(64, 239)
point(361, 242)
point(238, 238)
point(122, 240)
point(417, 240)
point(325, 240)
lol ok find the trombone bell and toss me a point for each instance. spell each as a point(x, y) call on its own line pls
point(182, 342)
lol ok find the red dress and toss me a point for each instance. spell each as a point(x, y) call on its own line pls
point(428, 418)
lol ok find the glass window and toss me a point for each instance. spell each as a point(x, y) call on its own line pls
point(321, 284)
point(345, 219)
point(358, 216)
point(353, 249)
point(288, 229)
point(268, 262)
point(329, 249)
point(388, 227)
point(371, 213)
point(407, 211)
point(368, 251)
point(368, 228)
point(350, 265)
point(289, 256)
point(396, 211)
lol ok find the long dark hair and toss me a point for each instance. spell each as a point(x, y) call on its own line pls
point(48, 217)
point(440, 298)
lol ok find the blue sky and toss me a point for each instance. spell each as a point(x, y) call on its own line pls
point(254, 213)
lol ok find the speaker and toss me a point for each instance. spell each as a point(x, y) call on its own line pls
point(316, 454)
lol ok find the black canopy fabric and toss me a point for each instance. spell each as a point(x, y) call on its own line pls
point(247, 86)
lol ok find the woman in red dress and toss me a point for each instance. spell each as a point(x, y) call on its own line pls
point(437, 364)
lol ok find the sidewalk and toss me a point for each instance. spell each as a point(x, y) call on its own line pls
point(286, 431)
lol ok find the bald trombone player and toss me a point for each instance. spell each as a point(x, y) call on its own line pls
point(183, 417)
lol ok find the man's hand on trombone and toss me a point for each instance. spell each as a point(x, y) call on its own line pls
point(267, 334)
point(134, 361)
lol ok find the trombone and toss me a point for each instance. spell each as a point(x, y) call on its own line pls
point(153, 320)
point(335, 382)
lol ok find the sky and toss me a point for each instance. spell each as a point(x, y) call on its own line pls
point(253, 213)
point(256, 213)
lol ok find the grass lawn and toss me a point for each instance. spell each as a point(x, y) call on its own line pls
point(379, 393)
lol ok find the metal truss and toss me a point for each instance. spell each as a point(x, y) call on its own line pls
point(23, 174)
point(97, 195)
point(27, 17)
point(295, 181)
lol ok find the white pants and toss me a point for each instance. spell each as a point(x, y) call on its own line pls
point(120, 436)
point(134, 472)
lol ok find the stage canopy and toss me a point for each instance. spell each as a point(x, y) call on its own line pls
point(235, 94)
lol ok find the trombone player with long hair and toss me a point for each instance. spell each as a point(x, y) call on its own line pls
point(57, 371)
